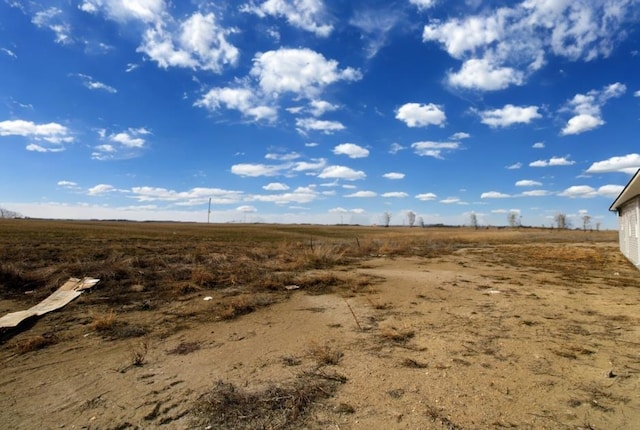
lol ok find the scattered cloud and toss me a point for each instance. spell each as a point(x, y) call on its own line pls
point(255, 170)
point(54, 20)
point(514, 166)
point(587, 108)
point(395, 148)
point(423, 4)
point(246, 209)
point(538, 145)
point(494, 195)
point(198, 42)
point(375, 25)
point(282, 156)
point(482, 74)
point(92, 84)
point(426, 197)
point(629, 163)
point(395, 194)
point(8, 52)
point(421, 115)
point(553, 161)
point(393, 175)
point(460, 135)
point(341, 172)
point(302, 72)
point(451, 200)
point(581, 123)
point(504, 46)
point(535, 193)
point(308, 15)
point(101, 189)
point(586, 191)
point(363, 194)
point(49, 137)
point(241, 99)
point(320, 107)
point(434, 149)
point(68, 184)
point(192, 197)
point(351, 150)
point(528, 183)
point(121, 145)
point(311, 124)
point(275, 186)
point(509, 115)
point(299, 73)
point(148, 11)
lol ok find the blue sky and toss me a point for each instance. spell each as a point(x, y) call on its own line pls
point(319, 111)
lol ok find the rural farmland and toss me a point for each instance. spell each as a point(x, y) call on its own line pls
point(300, 326)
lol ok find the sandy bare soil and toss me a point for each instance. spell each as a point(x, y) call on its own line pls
point(486, 337)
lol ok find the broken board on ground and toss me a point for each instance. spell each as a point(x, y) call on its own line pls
point(63, 295)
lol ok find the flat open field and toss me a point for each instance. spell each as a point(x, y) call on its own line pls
point(277, 327)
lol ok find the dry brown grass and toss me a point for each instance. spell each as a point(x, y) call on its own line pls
point(104, 322)
point(397, 335)
point(281, 406)
point(325, 354)
point(185, 348)
point(175, 261)
point(34, 343)
point(244, 304)
point(111, 327)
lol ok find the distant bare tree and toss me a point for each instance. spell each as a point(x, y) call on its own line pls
point(6, 213)
point(473, 220)
point(512, 218)
point(411, 218)
point(598, 226)
point(561, 220)
point(420, 221)
point(386, 218)
point(586, 222)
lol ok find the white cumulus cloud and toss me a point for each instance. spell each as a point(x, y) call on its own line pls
point(351, 150)
point(308, 15)
point(393, 175)
point(587, 108)
point(421, 115)
point(553, 161)
point(629, 163)
point(341, 172)
point(434, 149)
point(509, 115)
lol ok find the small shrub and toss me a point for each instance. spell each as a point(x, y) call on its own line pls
point(139, 354)
point(245, 304)
point(185, 348)
point(34, 343)
point(325, 354)
point(105, 322)
point(397, 335)
point(280, 407)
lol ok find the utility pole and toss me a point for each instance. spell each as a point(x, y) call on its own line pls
point(209, 213)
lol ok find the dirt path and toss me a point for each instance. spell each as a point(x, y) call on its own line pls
point(459, 342)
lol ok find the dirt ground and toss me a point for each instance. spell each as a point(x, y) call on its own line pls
point(481, 338)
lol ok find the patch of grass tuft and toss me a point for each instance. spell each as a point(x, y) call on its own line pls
point(34, 343)
point(325, 354)
point(275, 407)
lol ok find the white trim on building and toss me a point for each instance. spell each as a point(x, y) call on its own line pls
point(627, 205)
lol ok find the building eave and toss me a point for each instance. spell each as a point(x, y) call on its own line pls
point(631, 190)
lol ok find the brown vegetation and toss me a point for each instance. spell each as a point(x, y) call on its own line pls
point(319, 327)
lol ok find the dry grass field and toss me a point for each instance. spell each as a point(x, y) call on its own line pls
point(279, 326)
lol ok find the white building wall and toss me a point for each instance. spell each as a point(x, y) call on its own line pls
point(630, 230)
